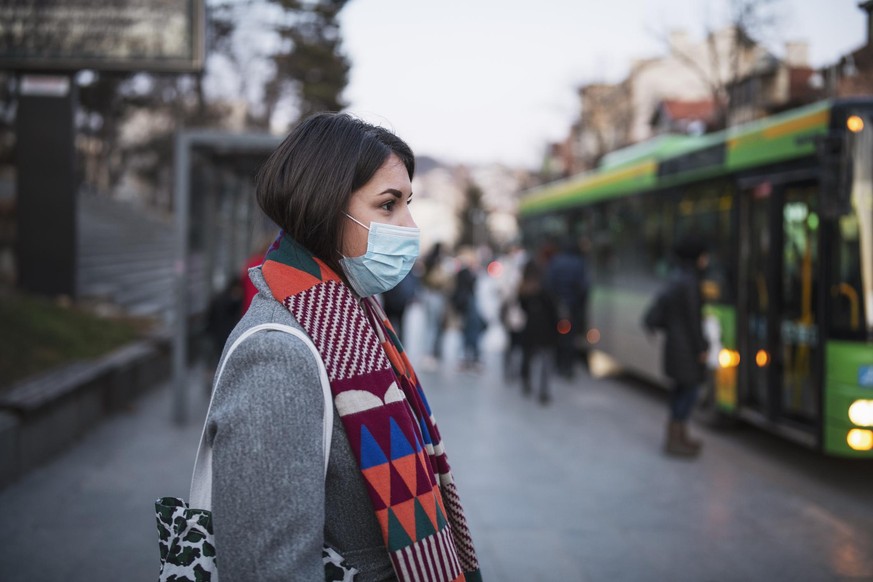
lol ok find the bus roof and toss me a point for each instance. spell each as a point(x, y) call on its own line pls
point(674, 159)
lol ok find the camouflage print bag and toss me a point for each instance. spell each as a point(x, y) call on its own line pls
point(186, 540)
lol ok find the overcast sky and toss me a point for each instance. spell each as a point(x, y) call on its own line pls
point(495, 80)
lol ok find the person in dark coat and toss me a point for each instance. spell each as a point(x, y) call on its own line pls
point(567, 279)
point(396, 300)
point(539, 337)
point(677, 311)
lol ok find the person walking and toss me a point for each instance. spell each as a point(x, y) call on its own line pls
point(567, 280)
point(436, 285)
point(512, 316)
point(387, 504)
point(539, 336)
point(677, 311)
point(467, 308)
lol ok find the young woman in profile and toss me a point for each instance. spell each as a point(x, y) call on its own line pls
point(339, 188)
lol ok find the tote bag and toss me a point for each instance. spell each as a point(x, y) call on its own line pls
point(185, 539)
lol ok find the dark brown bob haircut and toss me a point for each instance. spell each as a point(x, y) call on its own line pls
point(305, 185)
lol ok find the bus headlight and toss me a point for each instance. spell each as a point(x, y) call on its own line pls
point(728, 358)
point(855, 124)
point(861, 412)
point(860, 439)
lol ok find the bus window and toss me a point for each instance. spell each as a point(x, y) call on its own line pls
point(706, 209)
point(602, 242)
point(798, 317)
point(847, 315)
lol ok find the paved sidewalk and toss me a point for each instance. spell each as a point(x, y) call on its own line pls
point(574, 491)
point(89, 514)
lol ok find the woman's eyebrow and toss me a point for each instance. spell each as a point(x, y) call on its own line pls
point(393, 192)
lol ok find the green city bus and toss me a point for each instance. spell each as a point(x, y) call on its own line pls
point(786, 205)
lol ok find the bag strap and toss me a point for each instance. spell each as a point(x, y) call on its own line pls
point(201, 482)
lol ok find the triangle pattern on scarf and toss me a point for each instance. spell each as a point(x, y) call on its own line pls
point(405, 514)
point(406, 468)
point(397, 536)
point(423, 525)
point(399, 491)
point(400, 446)
point(371, 453)
point(428, 505)
point(423, 482)
point(440, 514)
point(378, 481)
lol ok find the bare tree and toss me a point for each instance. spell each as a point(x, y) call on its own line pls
point(750, 22)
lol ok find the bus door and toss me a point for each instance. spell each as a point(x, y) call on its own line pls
point(779, 322)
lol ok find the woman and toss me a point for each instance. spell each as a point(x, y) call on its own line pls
point(339, 188)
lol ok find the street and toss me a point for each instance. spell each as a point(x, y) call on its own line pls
point(574, 490)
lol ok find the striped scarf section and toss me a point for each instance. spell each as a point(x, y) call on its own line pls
point(386, 416)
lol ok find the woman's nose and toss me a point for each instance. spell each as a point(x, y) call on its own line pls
point(408, 220)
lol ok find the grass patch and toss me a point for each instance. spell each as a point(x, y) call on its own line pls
point(37, 334)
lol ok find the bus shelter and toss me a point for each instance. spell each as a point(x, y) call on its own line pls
point(218, 224)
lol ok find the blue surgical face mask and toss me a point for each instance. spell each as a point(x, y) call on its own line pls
point(391, 252)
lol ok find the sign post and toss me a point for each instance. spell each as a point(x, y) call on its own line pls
point(47, 183)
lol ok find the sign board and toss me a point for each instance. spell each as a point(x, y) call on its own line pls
point(45, 85)
point(121, 35)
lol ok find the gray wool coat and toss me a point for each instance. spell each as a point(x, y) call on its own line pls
point(272, 509)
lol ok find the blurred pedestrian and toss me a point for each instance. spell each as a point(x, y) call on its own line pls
point(539, 337)
point(512, 316)
point(339, 188)
point(436, 285)
point(677, 311)
point(396, 300)
point(567, 280)
point(467, 308)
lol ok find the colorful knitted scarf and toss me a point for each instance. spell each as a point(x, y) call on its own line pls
point(386, 417)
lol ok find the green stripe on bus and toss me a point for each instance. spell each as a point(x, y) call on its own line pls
point(591, 188)
point(778, 138)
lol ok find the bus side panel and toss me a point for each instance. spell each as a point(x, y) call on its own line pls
point(842, 387)
point(618, 314)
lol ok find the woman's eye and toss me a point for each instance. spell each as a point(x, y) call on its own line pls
point(388, 206)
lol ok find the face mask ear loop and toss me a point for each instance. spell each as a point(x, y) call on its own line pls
point(356, 220)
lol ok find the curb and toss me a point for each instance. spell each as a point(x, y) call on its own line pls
point(42, 415)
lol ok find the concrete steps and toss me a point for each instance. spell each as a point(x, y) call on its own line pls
point(127, 256)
